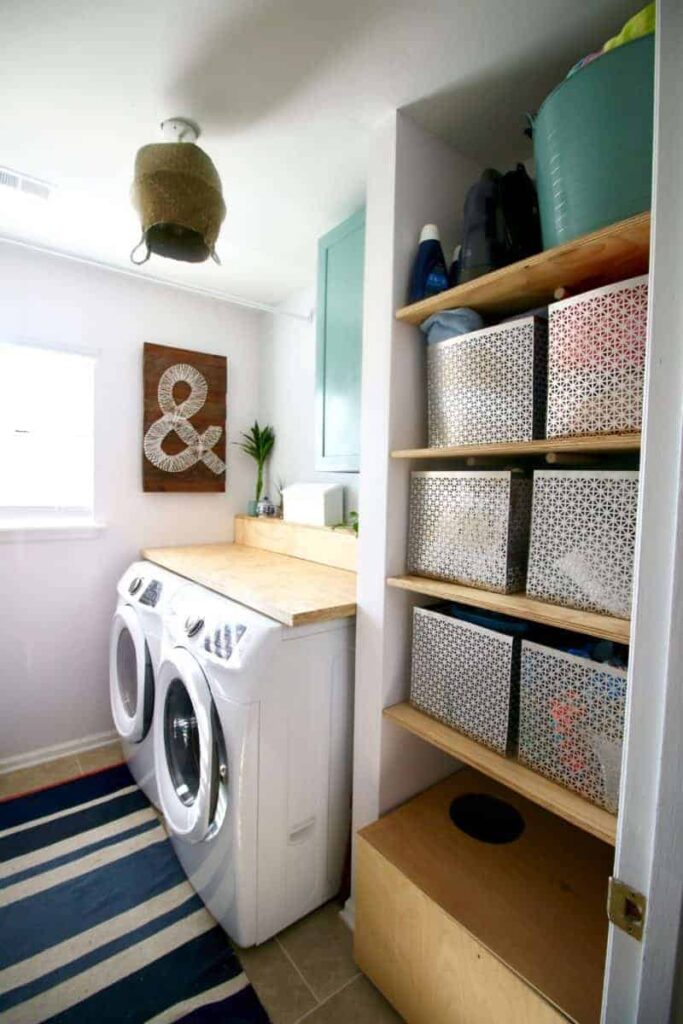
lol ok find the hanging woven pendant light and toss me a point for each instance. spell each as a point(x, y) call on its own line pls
point(178, 194)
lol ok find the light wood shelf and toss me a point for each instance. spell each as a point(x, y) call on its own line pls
point(607, 443)
point(335, 547)
point(562, 802)
point(603, 257)
point(450, 928)
point(606, 627)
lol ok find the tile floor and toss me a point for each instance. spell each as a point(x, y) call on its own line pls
point(306, 973)
point(51, 772)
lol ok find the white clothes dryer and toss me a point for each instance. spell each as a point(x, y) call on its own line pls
point(253, 732)
point(143, 592)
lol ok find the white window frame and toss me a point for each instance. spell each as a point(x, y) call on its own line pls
point(45, 522)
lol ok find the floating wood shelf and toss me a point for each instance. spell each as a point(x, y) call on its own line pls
point(588, 445)
point(337, 548)
point(520, 607)
point(611, 254)
point(450, 928)
point(534, 787)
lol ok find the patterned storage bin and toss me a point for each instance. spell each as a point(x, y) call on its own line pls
point(583, 532)
point(489, 385)
point(470, 527)
point(571, 721)
point(596, 361)
point(466, 676)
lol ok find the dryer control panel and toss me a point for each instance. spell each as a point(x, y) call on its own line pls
point(218, 629)
point(152, 593)
point(223, 639)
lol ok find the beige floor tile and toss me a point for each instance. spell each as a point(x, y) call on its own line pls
point(100, 757)
point(359, 1003)
point(278, 986)
point(321, 946)
point(40, 775)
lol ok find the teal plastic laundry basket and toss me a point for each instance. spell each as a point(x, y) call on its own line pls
point(593, 144)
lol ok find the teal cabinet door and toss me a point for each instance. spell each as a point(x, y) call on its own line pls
point(339, 343)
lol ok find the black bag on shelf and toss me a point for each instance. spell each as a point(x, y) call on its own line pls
point(520, 213)
point(501, 223)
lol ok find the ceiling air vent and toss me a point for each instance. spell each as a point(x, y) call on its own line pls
point(24, 183)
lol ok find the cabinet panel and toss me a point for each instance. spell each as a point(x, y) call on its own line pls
point(427, 964)
point(339, 342)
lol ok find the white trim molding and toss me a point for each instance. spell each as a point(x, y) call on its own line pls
point(40, 756)
point(15, 531)
point(209, 293)
point(641, 976)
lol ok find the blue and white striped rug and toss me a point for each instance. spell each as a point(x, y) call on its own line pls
point(97, 920)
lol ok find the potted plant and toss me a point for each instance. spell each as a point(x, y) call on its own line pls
point(258, 443)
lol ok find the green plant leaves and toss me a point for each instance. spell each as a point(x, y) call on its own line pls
point(258, 442)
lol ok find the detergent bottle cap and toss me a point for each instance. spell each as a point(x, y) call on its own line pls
point(429, 233)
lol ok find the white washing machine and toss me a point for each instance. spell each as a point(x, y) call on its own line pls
point(253, 732)
point(143, 593)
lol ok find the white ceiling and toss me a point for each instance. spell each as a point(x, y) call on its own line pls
point(287, 93)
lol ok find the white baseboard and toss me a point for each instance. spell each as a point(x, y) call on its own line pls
point(34, 757)
point(348, 914)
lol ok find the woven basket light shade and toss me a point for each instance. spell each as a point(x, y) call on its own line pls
point(178, 194)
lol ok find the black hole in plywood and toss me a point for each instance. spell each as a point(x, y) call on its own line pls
point(486, 818)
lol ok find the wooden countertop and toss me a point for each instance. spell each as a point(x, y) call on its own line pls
point(291, 590)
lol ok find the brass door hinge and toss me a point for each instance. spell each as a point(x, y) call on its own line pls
point(626, 908)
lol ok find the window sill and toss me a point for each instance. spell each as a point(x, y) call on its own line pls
point(13, 530)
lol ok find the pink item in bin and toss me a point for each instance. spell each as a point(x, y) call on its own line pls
point(596, 361)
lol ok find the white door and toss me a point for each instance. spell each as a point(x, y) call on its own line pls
point(640, 982)
point(131, 677)
point(188, 749)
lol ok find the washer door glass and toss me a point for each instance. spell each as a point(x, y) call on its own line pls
point(185, 750)
point(127, 671)
point(181, 740)
point(131, 678)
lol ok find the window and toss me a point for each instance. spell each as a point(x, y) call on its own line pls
point(46, 434)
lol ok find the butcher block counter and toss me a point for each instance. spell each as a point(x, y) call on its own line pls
point(292, 590)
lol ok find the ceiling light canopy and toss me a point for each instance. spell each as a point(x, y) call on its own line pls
point(178, 195)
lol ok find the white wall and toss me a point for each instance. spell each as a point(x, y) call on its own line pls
point(288, 399)
point(414, 178)
point(56, 597)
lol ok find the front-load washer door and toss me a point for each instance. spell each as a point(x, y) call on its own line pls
point(131, 677)
point(185, 747)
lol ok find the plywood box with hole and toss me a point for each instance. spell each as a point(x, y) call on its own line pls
point(455, 928)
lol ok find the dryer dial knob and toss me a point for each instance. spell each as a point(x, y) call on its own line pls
point(193, 626)
point(135, 585)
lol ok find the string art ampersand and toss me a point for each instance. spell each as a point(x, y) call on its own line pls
point(176, 418)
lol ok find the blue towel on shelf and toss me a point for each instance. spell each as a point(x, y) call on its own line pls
point(450, 323)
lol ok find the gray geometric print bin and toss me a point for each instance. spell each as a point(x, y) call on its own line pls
point(466, 676)
point(596, 360)
point(583, 533)
point(489, 385)
point(470, 527)
point(571, 721)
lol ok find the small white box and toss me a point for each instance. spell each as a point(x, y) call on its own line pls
point(313, 504)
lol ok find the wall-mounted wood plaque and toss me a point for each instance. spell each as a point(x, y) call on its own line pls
point(184, 427)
